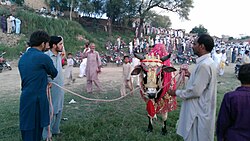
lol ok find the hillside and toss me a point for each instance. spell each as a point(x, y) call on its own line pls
point(70, 30)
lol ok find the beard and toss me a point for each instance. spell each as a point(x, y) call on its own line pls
point(58, 49)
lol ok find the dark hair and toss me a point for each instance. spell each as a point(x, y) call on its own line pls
point(38, 37)
point(70, 53)
point(247, 51)
point(244, 74)
point(126, 56)
point(207, 41)
point(54, 40)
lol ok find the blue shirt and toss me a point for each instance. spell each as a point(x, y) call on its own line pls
point(34, 67)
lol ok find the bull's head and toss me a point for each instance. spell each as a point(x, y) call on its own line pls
point(151, 70)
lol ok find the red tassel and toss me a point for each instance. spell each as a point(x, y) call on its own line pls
point(151, 109)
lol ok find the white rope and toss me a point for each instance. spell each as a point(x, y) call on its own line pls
point(93, 99)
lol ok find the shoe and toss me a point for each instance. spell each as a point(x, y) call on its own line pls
point(73, 80)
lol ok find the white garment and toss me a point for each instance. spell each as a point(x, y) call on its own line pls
point(217, 59)
point(199, 102)
point(69, 68)
point(223, 60)
point(135, 62)
point(83, 67)
point(130, 48)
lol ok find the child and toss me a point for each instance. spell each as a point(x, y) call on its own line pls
point(69, 68)
point(126, 77)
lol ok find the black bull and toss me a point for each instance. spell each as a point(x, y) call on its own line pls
point(151, 72)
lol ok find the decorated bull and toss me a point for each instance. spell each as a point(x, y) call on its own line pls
point(156, 78)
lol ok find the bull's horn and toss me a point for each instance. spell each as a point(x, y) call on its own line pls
point(140, 57)
point(165, 57)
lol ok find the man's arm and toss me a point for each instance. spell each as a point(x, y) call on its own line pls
point(201, 82)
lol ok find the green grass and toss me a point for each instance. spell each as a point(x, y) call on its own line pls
point(68, 29)
point(123, 120)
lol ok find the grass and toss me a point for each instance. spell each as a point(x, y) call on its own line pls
point(123, 120)
point(70, 30)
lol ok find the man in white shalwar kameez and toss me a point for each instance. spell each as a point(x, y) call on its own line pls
point(217, 59)
point(222, 62)
point(84, 63)
point(197, 115)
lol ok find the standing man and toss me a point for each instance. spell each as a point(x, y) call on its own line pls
point(135, 62)
point(4, 23)
point(246, 59)
point(233, 123)
point(34, 67)
point(18, 25)
point(57, 94)
point(9, 25)
point(197, 115)
point(84, 62)
point(93, 67)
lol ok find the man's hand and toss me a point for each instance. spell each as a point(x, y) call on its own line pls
point(49, 85)
point(172, 92)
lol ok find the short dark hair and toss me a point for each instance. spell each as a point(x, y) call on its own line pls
point(207, 41)
point(247, 51)
point(244, 74)
point(38, 37)
point(126, 56)
point(54, 40)
point(70, 53)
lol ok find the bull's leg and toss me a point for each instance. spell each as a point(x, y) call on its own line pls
point(164, 127)
point(150, 124)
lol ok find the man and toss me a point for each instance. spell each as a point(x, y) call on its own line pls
point(217, 59)
point(57, 94)
point(4, 23)
point(18, 25)
point(197, 115)
point(246, 59)
point(84, 62)
point(93, 67)
point(34, 67)
point(233, 123)
point(9, 25)
point(222, 62)
point(135, 62)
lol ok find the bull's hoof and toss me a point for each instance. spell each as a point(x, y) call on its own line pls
point(149, 130)
point(164, 131)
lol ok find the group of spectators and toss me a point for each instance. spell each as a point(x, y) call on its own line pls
point(10, 24)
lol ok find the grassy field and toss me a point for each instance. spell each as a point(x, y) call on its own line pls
point(123, 120)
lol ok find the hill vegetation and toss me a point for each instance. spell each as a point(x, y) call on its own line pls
point(70, 30)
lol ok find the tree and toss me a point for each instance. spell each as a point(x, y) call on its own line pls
point(157, 20)
point(181, 7)
point(199, 30)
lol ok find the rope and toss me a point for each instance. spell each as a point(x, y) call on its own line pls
point(180, 79)
point(51, 111)
point(93, 99)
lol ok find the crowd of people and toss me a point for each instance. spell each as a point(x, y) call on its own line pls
point(41, 101)
point(10, 24)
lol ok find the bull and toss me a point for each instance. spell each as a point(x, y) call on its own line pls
point(156, 79)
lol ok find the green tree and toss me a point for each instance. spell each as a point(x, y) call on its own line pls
point(157, 20)
point(199, 30)
point(181, 7)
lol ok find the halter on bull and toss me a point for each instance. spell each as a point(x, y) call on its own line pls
point(156, 78)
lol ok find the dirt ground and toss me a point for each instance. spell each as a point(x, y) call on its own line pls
point(110, 77)
point(11, 82)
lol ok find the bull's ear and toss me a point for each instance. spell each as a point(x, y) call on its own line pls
point(136, 70)
point(168, 69)
point(165, 57)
